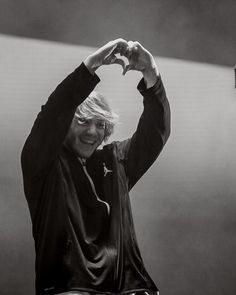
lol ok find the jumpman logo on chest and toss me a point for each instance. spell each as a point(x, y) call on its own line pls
point(106, 170)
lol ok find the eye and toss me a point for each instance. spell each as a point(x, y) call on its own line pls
point(101, 125)
point(83, 121)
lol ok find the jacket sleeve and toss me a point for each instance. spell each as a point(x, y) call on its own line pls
point(152, 132)
point(53, 121)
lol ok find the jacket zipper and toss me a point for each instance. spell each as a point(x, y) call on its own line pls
point(82, 161)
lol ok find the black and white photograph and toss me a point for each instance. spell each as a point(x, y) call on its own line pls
point(117, 147)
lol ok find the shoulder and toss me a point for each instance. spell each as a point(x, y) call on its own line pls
point(118, 149)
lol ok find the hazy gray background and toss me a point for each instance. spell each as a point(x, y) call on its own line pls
point(187, 29)
point(184, 207)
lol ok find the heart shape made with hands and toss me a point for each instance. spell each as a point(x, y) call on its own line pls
point(122, 60)
point(126, 57)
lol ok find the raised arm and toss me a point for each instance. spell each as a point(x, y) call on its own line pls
point(53, 122)
point(154, 125)
point(54, 119)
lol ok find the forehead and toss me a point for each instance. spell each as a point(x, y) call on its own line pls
point(89, 117)
point(93, 107)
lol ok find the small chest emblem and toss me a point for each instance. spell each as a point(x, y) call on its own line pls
point(106, 170)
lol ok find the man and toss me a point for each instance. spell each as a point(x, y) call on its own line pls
point(77, 194)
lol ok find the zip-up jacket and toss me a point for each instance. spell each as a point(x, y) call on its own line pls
point(81, 214)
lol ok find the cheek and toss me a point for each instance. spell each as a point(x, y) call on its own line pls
point(71, 136)
point(101, 136)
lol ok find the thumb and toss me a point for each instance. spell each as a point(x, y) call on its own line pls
point(119, 61)
point(127, 68)
point(109, 51)
point(112, 59)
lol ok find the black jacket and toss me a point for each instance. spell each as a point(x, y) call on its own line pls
point(79, 245)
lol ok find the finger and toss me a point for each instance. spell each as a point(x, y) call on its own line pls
point(121, 48)
point(122, 44)
point(119, 61)
point(127, 53)
point(137, 44)
point(132, 45)
point(119, 41)
point(110, 51)
point(133, 50)
point(112, 59)
point(133, 55)
point(116, 46)
point(128, 68)
point(140, 48)
point(109, 59)
point(130, 48)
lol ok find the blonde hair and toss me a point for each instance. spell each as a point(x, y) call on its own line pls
point(95, 106)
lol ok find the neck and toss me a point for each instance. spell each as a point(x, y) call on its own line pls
point(82, 161)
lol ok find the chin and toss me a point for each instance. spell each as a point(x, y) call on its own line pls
point(83, 154)
point(83, 151)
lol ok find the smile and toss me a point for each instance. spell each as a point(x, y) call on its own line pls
point(87, 141)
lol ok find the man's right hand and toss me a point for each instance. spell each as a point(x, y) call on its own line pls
point(140, 59)
point(106, 55)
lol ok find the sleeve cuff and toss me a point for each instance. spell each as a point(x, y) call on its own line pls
point(85, 82)
point(82, 69)
point(142, 88)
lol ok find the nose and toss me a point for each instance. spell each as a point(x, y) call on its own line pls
point(91, 129)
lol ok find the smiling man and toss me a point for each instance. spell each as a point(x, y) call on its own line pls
point(78, 195)
point(93, 123)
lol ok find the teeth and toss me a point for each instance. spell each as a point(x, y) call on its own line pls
point(87, 141)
